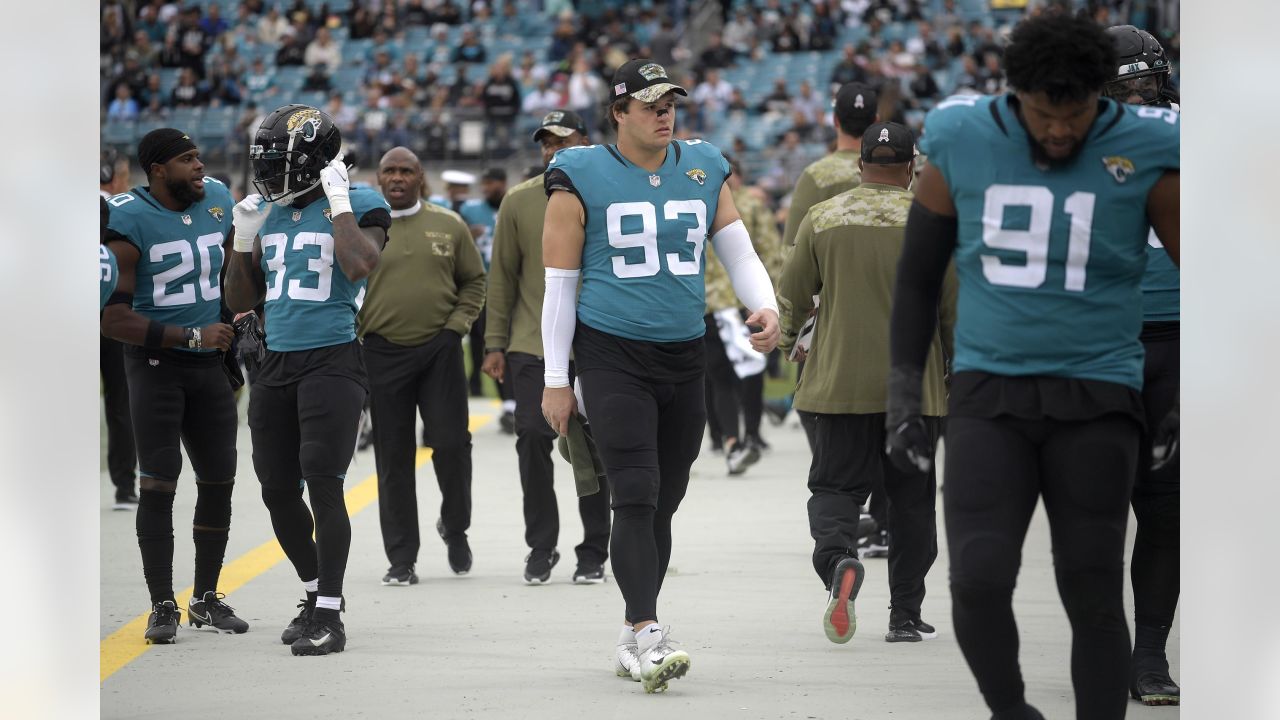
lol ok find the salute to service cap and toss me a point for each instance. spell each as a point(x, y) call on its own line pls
point(888, 143)
point(644, 80)
point(856, 101)
point(561, 123)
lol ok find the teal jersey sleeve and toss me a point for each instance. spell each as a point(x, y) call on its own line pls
point(645, 235)
point(1050, 258)
point(481, 213)
point(107, 275)
point(180, 253)
point(310, 303)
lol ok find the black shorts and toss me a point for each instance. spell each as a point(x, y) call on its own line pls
point(181, 396)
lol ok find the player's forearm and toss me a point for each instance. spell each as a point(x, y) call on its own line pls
point(356, 254)
point(926, 251)
point(245, 284)
point(120, 322)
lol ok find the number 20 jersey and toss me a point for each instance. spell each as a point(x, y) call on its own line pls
point(180, 253)
point(642, 259)
point(310, 302)
point(1050, 260)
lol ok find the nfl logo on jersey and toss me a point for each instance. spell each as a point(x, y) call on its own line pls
point(655, 180)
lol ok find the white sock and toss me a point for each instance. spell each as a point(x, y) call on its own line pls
point(329, 603)
point(508, 406)
point(648, 636)
point(627, 636)
point(312, 585)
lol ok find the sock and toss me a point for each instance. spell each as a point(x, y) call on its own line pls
point(328, 603)
point(508, 406)
point(326, 615)
point(649, 636)
point(627, 636)
point(311, 586)
point(1150, 639)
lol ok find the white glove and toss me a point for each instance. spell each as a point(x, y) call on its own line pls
point(249, 215)
point(337, 186)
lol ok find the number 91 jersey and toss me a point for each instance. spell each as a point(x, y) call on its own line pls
point(1050, 259)
point(642, 259)
point(310, 303)
point(180, 254)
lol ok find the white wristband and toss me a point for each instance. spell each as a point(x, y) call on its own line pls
point(339, 203)
point(241, 243)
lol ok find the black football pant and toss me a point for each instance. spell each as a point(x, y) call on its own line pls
point(996, 472)
point(427, 380)
point(122, 456)
point(848, 463)
point(648, 435)
point(724, 386)
point(476, 341)
point(304, 435)
point(181, 400)
point(1156, 505)
point(534, 439)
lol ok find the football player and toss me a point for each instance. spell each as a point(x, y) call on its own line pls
point(168, 239)
point(631, 220)
point(304, 244)
point(1044, 197)
point(1142, 78)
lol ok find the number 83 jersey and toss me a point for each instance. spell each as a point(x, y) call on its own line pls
point(1050, 259)
point(642, 258)
point(180, 253)
point(310, 303)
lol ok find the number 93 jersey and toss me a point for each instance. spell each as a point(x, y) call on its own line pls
point(310, 303)
point(642, 259)
point(1050, 259)
point(180, 254)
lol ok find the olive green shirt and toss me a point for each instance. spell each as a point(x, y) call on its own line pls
point(846, 253)
point(517, 280)
point(430, 278)
point(824, 179)
point(764, 238)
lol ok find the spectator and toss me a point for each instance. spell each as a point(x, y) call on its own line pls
point(737, 103)
point(713, 94)
point(222, 86)
point(192, 41)
point(530, 71)
point(123, 107)
point(152, 91)
point(323, 51)
point(272, 27)
point(344, 116)
point(790, 161)
point(807, 107)
point(415, 14)
point(382, 44)
point(542, 100)
point(849, 68)
point(112, 38)
point(259, 82)
point(317, 80)
point(143, 49)
point(212, 23)
point(445, 11)
point(188, 92)
point(133, 75)
point(822, 30)
point(779, 99)
point(509, 23)
point(967, 79)
point(470, 50)
point(924, 45)
point(501, 97)
point(991, 76)
point(290, 53)
point(739, 32)
point(787, 40)
point(664, 46)
point(155, 110)
point(896, 62)
point(300, 26)
point(716, 55)
point(363, 23)
point(586, 90)
point(149, 23)
point(923, 88)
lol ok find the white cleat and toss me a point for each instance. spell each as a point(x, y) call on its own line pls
point(659, 662)
point(626, 661)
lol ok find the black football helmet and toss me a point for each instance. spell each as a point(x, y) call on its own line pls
point(291, 147)
point(1143, 70)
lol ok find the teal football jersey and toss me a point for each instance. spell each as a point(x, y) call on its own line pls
point(107, 274)
point(180, 254)
point(310, 303)
point(1161, 285)
point(480, 212)
point(642, 259)
point(1050, 260)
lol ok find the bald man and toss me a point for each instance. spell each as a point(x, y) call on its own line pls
point(426, 291)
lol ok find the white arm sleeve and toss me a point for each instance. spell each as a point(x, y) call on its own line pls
point(559, 317)
point(747, 274)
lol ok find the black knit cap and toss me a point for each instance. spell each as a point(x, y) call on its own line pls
point(162, 145)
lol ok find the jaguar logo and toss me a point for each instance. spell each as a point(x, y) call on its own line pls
point(697, 175)
point(1119, 167)
point(305, 122)
point(217, 213)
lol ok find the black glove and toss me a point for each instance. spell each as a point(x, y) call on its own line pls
point(1164, 441)
point(251, 340)
point(907, 441)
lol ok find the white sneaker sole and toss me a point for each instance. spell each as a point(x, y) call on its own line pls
point(672, 667)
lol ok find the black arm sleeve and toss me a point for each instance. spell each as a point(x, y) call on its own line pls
point(927, 248)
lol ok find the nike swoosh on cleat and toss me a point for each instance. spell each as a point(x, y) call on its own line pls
point(321, 641)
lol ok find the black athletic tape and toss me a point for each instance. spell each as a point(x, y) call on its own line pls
point(120, 298)
point(155, 335)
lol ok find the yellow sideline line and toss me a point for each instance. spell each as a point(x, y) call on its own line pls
point(126, 644)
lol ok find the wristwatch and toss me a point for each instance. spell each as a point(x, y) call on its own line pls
point(193, 338)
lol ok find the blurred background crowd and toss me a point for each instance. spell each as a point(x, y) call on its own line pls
point(465, 82)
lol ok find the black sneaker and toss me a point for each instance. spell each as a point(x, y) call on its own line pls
point(758, 443)
point(538, 564)
point(298, 626)
point(905, 627)
point(219, 616)
point(877, 546)
point(1026, 712)
point(400, 576)
point(126, 501)
point(162, 624)
point(507, 421)
point(322, 637)
point(459, 550)
point(588, 574)
point(1150, 683)
point(741, 457)
point(839, 621)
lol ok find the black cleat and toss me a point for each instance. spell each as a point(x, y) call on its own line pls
point(400, 576)
point(1150, 683)
point(1025, 712)
point(588, 574)
point(162, 624)
point(322, 637)
point(219, 616)
point(758, 443)
point(298, 626)
point(507, 421)
point(459, 550)
point(538, 564)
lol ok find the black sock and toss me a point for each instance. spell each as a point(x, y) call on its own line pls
point(155, 539)
point(333, 532)
point(326, 615)
point(1150, 640)
point(212, 525)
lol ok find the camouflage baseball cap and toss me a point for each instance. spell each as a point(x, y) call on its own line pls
point(561, 123)
point(644, 80)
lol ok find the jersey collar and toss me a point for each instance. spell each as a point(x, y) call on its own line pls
point(407, 211)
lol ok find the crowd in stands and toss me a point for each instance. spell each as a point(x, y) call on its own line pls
point(420, 72)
